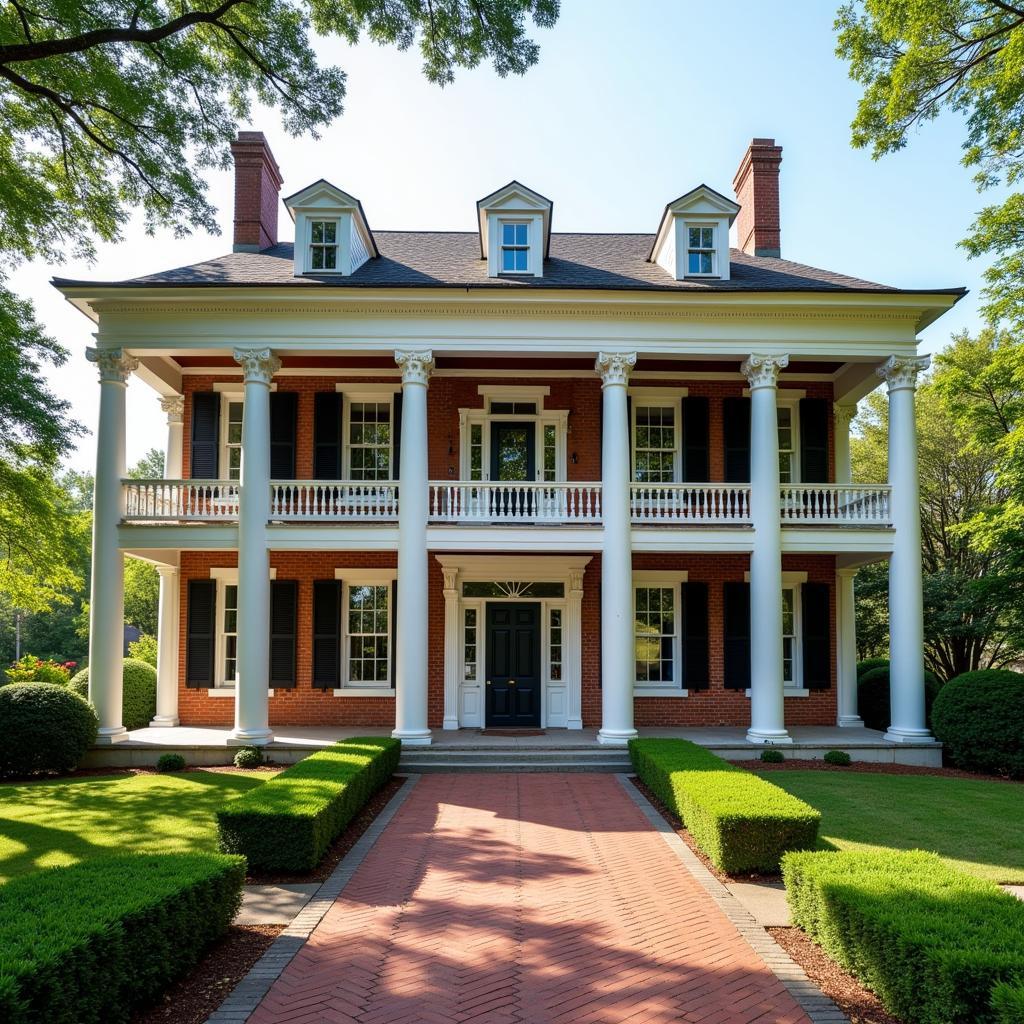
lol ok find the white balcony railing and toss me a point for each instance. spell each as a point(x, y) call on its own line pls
point(685, 504)
point(503, 502)
point(181, 500)
point(853, 505)
point(333, 500)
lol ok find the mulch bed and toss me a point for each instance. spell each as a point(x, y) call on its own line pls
point(860, 1005)
point(194, 997)
point(870, 768)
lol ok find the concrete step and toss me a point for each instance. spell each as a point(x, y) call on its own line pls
point(513, 760)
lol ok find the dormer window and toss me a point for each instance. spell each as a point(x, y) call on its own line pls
point(515, 248)
point(700, 251)
point(323, 248)
point(515, 231)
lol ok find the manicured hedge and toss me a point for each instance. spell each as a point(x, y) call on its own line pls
point(931, 941)
point(88, 943)
point(287, 823)
point(138, 693)
point(873, 696)
point(870, 663)
point(742, 822)
point(1008, 1002)
point(44, 728)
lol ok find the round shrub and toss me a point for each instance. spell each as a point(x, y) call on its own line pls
point(873, 696)
point(248, 757)
point(870, 663)
point(772, 756)
point(170, 763)
point(979, 717)
point(44, 728)
point(837, 757)
point(139, 700)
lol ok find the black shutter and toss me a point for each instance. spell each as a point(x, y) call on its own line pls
point(816, 626)
point(284, 606)
point(327, 633)
point(205, 435)
point(394, 632)
point(695, 636)
point(284, 413)
point(736, 431)
point(629, 435)
point(696, 456)
point(396, 436)
point(200, 633)
point(737, 636)
point(813, 441)
point(327, 435)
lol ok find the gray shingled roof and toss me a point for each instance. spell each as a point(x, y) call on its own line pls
point(451, 259)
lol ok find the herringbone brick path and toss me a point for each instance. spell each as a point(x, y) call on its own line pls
point(524, 899)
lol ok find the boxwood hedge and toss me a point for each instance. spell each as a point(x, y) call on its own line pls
point(931, 941)
point(742, 822)
point(287, 823)
point(86, 944)
point(1008, 1002)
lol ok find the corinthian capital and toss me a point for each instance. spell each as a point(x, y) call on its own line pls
point(258, 364)
point(416, 366)
point(615, 367)
point(174, 406)
point(901, 371)
point(763, 371)
point(113, 364)
point(843, 415)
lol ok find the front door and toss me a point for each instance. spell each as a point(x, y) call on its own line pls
point(513, 451)
point(513, 665)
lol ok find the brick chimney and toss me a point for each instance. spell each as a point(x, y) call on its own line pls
point(257, 187)
point(756, 185)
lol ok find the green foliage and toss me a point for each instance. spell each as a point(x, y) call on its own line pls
point(144, 649)
point(869, 664)
point(873, 697)
point(979, 717)
point(248, 757)
point(772, 756)
point(741, 822)
point(170, 763)
point(289, 822)
point(929, 940)
point(141, 595)
point(44, 728)
point(840, 758)
point(89, 943)
point(871, 608)
point(31, 669)
point(138, 695)
point(149, 467)
point(1008, 1002)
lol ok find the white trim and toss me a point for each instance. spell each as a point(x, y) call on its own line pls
point(483, 418)
point(364, 691)
point(358, 395)
point(364, 578)
point(664, 579)
point(666, 399)
point(366, 391)
point(229, 573)
point(513, 392)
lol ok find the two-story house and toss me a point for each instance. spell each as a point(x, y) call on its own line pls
point(509, 477)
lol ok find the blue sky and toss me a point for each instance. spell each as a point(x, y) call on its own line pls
point(624, 112)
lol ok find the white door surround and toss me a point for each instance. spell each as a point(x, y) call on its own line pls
point(561, 699)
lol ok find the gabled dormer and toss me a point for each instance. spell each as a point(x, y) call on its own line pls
point(515, 231)
point(693, 238)
point(331, 233)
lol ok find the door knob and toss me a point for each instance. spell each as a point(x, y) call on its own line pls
point(488, 682)
point(511, 682)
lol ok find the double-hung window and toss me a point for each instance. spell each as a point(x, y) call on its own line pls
point(233, 438)
point(654, 444)
point(369, 440)
point(787, 449)
point(789, 662)
point(700, 250)
point(515, 248)
point(654, 634)
point(368, 629)
point(323, 246)
point(229, 634)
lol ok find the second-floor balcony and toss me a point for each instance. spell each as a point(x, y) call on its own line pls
point(565, 503)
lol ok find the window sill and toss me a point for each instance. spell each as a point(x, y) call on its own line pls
point(658, 691)
point(790, 691)
point(363, 691)
point(228, 691)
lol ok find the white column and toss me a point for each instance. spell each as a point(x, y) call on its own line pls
point(571, 649)
point(617, 658)
point(842, 417)
point(252, 698)
point(174, 406)
point(767, 714)
point(846, 648)
point(906, 605)
point(167, 648)
point(453, 639)
point(106, 605)
point(411, 657)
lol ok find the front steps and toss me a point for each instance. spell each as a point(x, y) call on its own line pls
point(470, 758)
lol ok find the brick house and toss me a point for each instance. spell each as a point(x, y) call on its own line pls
point(510, 477)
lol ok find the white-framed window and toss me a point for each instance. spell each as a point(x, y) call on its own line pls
point(655, 442)
point(655, 633)
point(227, 621)
point(700, 251)
point(231, 436)
point(515, 248)
point(368, 634)
point(323, 245)
point(790, 648)
point(788, 466)
point(370, 442)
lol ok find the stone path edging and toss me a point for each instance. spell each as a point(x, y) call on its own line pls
point(249, 992)
point(810, 998)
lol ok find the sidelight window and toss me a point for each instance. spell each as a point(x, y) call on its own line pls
point(470, 644)
point(555, 645)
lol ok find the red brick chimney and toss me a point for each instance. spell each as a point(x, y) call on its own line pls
point(756, 185)
point(257, 187)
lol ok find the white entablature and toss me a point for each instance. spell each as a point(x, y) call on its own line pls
point(331, 232)
point(693, 237)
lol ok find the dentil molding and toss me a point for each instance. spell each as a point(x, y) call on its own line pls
point(763, 371)
point(112, 363)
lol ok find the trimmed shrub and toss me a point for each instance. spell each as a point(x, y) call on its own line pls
point(139, 694)
point(170, 763)
point(248, 757)
point(979, 717)
point(772, 756)
point(30, 669)
point(287, 823)
point(43, 728)
point(742, 822)
point(1008, 1002)
point(873, 696)
point(870, 663)
point(931, 941)
point(837, 757)
point(144, 649)
point(86, 944)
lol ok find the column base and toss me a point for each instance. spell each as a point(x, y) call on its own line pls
point(250, 737)
point(909, 736)
point(850, 722)
point(112, 734)
point(164, 722)
point(450, 723)
point(769, 737)
point(412, 737)
point(616, 737)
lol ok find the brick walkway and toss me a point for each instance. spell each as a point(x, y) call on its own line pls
point(529, 899)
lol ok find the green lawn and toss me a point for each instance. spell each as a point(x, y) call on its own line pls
point(973, 824)
point(43, 824)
